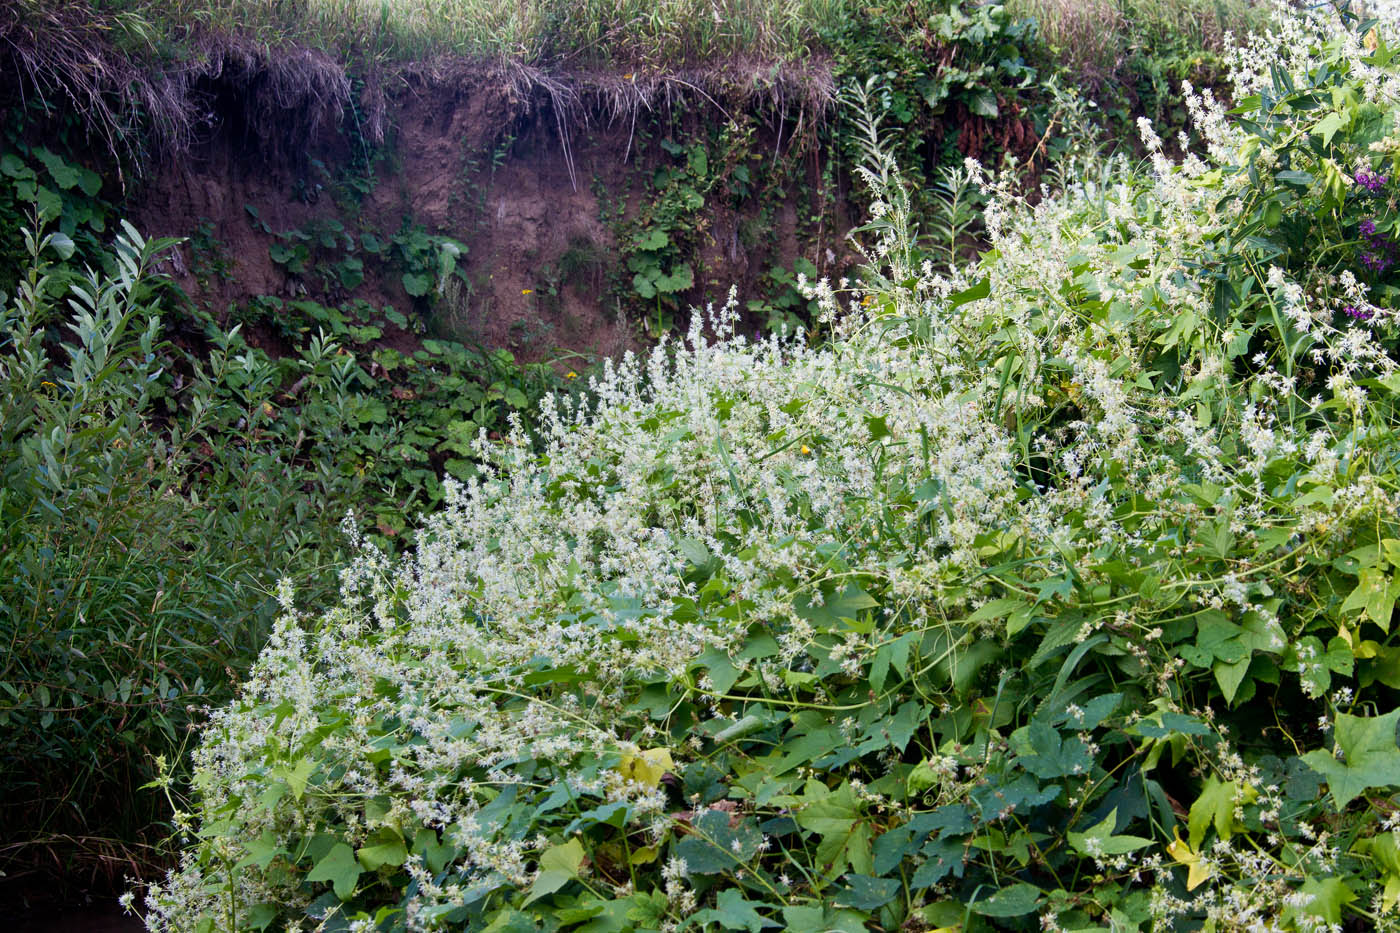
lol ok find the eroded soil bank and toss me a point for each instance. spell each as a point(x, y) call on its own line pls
point(556, 205)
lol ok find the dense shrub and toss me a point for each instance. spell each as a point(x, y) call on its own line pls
point(150, 500)
point(1055, 594)
point(126, 591)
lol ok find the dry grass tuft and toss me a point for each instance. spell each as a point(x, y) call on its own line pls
point(57, 55)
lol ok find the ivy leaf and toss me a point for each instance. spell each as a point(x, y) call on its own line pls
point(646, 768)
point(1197, 871)
point(558, 866)
point(297, 776)
point(733, 912)
point(436, 855)
point(1216, 804)
point(867, 893)
point(339, 867)
point(1329, 897)
point(1372, 757)
point(1013, 901)
point(716, 846)
point(1375, 596)
point(1053, 757)
point(1327, 127)
point(262, 851)
point(387, 848)
point(945, 857)
point(1098, 840)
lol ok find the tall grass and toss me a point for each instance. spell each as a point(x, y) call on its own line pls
point(642, 33)
point(1099, 39)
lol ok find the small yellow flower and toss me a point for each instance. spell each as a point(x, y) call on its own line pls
point(571, 375)
point(806, 450)
point(627, 77)
point(49, 384)
point(527, 291)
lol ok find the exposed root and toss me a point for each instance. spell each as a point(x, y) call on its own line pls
point(55, 55)
point(280, 102)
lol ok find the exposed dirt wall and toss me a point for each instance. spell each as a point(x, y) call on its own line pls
point(535, 196)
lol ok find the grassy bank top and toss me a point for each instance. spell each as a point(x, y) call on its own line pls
point(645, 33)
point(657, 34)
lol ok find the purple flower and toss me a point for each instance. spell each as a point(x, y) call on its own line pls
point(1367, 227)
point(1356, 313)
point(1372, 182)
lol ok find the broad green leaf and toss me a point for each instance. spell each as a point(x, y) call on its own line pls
point(1328, 898)
point(417, 284)
point(339, 867)
point(63, 174)
point(733, 912)
point(1098, 840)
point(62, 244)
point(1372, 757)
point(1327, 127)
point(1216, 805)
point(558, 866)
point(1384, 850)
point(1013, 901)
point(847, 604)
point(1375, 596)
point(385, 848)
point(1229, 675)
point(983, 103)
point(974, 293)
point(864, 892)
point(822, 920)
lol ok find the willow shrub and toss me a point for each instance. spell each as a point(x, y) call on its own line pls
point(133, 578)
point(1054, 595)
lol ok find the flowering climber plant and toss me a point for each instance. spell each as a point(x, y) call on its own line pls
point(1056, 590)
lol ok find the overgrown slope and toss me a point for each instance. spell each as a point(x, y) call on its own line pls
point(1056, 592)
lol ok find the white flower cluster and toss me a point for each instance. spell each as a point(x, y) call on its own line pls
point(722, 483)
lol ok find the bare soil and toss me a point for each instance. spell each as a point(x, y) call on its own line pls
point(517, 184)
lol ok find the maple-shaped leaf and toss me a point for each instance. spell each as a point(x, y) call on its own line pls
point(1197, 871)
point(733, 912)
point(1371, 756)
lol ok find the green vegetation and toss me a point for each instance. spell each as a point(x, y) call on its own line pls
point(1054, 590)
point(657, 33)
point(1134, 55)
point(155, 491)
point(1040, 577)
point(134, 560)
